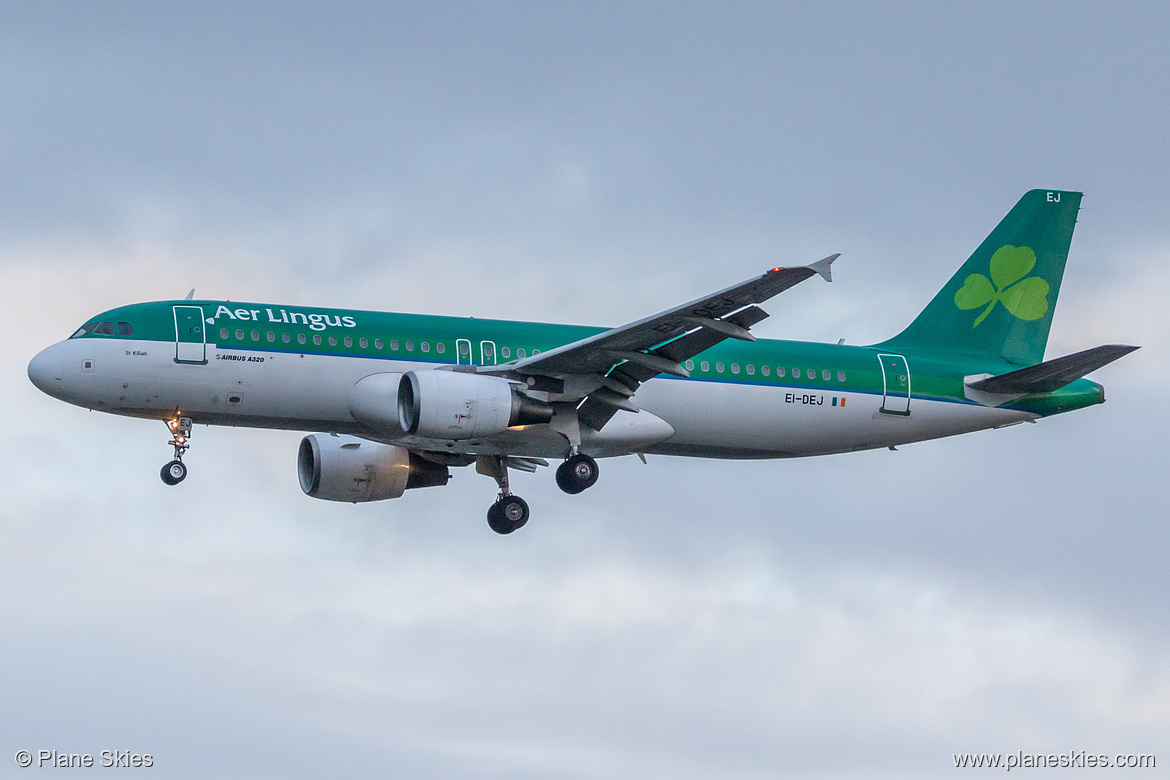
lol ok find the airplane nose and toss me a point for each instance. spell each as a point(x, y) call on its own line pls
point(44, 371)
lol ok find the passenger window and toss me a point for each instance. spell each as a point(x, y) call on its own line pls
point(363, 343)
point(255, 335)
point(125, 329)
point(394, 344)
point(410, 346)
point(719, 368)
point(239, 335)
point(285, 337)
point(840, 376)
point(751, 369)
point(520, 353)
point(705, 366)
point(536, 352)
point(271, 337)
point(765, 370)
point(377, 343)
point(348, 341)
point(223, 333)
point(812, 373)
point(796, 373)
point(826, 375)
point(426, 346)
point(333, 341)
point(690, 366)
point(780, 371)
point(735, 368)
point(301, 338)
point(317, 339)
point(505, 351)
point(104, 329)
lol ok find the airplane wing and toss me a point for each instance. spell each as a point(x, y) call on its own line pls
point(607, 368)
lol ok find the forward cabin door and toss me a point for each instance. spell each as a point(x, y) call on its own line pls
point(896, 381)
point(190, 335)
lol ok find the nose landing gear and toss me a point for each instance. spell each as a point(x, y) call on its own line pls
point(175, 472)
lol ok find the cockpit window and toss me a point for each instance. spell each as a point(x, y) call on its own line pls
point(104, 329)
point(86, 328)
point(125, 329)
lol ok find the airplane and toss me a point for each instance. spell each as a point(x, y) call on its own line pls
point(393, 402)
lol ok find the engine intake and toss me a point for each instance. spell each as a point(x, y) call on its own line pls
point(455, 405)
point(346, 468)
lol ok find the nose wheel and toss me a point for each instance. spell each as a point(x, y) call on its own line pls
point(175, 472)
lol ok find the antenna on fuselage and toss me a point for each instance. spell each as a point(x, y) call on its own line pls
point(190, 295)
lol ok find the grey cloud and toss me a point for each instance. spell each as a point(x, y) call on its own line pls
point(845, 616)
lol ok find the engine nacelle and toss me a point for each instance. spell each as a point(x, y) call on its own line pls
point(374, 401)
point(346, 468)
point(457, 405)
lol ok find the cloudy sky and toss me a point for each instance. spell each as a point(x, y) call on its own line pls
point(852, 616)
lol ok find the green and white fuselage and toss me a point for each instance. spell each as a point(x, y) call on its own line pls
point(814, 399)
point(691, 381)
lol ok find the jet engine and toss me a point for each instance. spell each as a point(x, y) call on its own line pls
point(456, 405)
point(346, 468)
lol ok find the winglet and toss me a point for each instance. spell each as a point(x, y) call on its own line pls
point(822, 266)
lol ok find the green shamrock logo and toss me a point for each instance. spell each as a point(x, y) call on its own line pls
point(1026, 299)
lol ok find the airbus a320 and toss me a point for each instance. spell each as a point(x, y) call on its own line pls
point(393, 402)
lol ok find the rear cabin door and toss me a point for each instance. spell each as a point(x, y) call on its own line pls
point(896, 381)
point(190, 335)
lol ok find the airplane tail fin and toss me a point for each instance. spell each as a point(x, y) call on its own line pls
point(1000, 303)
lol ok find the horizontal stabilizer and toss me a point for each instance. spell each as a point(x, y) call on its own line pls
point(1052, 374)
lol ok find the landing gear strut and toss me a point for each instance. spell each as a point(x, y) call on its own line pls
point(509, 512)
point(577, 473)
point(175, 472)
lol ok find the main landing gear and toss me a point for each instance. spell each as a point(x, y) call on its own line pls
point(577, 473)
point(509, 512)
point(175, 472)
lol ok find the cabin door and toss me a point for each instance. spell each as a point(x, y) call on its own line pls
point(190, 335)
point(896, 381)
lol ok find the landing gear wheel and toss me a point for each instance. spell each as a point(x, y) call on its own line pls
point(576, 474)
point(507, 514)
point(174, 472)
